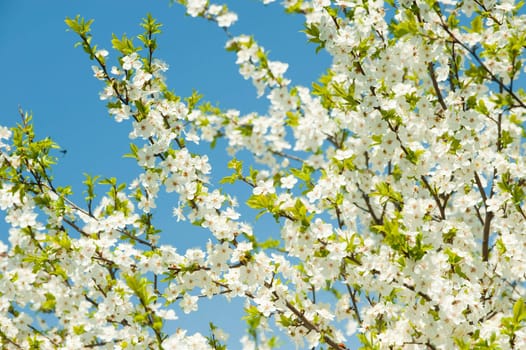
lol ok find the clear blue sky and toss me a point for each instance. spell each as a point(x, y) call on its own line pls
point(42, 72)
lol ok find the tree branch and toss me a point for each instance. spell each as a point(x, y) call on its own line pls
point(487, 220)
point(432, 74)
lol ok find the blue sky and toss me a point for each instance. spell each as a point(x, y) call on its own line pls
point(45, 74)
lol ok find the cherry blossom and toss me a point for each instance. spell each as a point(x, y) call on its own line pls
point(396, 181)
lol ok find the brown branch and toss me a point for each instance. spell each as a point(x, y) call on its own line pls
point(435, 86)
point(479, 216)
point(487, 220)
point(493, 77)
point(365, 197)
point(310, 326)
point(286, 155)
point(352, 293)
point(441, 206)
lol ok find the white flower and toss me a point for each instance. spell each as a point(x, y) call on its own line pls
point(265, 304)
point(5, 133)
point(214, 9)
point(167, 314)
point(264, 187)
point(101, 54)
point(178, 213)
point(288, 181)
point(131, 61)
point(227, 19)
point(195, 7)
point(278, 68)
point(189, 303)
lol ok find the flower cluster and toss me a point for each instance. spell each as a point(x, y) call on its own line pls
point(398, 181)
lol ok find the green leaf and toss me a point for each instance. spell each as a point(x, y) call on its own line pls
point(476, 24)
point(79, 25)
point(408, 26)
point(292, 118)
point(48, 305)
point(414, 156)
point(385, 191)
point(262, 201)
point(237, 165)
point(305, 173)
point(123, 45)
point(134, 151)
point(313, 32)
point(79, 329)
point(150, 24)
point(519, 311)
point(269, 244)
point(139, 285)
point(109, 181)
point(245, 129)
point(193, 99)
point(253, 319)
point(229, 179)
point(453, 20)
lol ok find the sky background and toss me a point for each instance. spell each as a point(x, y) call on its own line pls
point(44, 74)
